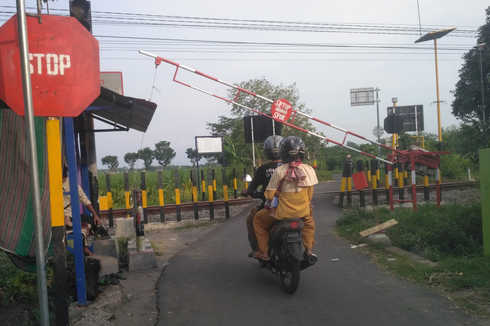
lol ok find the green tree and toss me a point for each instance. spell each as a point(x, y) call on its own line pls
point(191, 155)
point(147, 155)
point(233, 128)
point(130, 159)
point(111, 162)
point(163, 153)
point(467, 104)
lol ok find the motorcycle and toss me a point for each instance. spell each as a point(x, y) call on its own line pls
point(287, 258)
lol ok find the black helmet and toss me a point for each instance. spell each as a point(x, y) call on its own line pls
point(271, 147)
point(292, 149)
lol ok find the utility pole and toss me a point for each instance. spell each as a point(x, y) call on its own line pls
point(480, 49)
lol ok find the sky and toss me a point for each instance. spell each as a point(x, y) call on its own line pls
point(326, 48)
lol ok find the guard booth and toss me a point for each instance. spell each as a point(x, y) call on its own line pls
point(117, 112)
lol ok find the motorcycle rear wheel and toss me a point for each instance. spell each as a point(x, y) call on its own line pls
point(290, 276)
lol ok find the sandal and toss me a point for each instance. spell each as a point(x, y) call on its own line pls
point(261, 256)
point(108, 279)
point(119, 275)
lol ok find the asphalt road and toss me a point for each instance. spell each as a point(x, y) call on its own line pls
point(213, 282)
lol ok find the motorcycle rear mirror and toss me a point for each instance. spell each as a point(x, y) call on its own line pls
point(246, 178)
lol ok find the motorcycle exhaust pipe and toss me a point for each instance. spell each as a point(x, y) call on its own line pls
point(308, 261)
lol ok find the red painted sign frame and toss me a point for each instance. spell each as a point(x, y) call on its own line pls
point(64, 66)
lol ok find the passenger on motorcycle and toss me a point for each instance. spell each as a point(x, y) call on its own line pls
point(293, 184)
point(262, 178)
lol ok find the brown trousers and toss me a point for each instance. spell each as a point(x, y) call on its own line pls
point(263, 220)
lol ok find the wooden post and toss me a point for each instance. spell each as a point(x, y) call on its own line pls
point(225, 195)
point(203, 186)
point(194, 194)
point(109, 199)
point(234, 184)
point(362, 194)
point(177, 195)
point(374, 180)
point(143, 197)
point(214, 183)
point(210, 195)
point(161, 199)
point(57, 220)
point(127, 194)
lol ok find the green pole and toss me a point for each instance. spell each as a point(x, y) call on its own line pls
point(485, 194)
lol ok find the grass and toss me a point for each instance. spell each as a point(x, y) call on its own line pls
point(196, 225)
point(451, 236)
point(18, 287)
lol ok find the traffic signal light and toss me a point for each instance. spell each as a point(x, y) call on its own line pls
point(80, 9)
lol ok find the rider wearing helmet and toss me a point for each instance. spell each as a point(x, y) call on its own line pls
point(262, 178)
point(293, 184)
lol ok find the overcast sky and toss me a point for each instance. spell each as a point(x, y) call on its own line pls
point(325, 47)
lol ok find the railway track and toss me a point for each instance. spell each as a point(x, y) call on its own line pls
point(219, 204)
point(184, 207)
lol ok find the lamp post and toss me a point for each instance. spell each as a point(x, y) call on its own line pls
point(480, 49)
point(434, 36)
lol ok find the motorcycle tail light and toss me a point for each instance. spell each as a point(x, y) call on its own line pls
point(294, 224)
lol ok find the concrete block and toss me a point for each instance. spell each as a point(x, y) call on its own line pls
point(141, 260)
point(108, 265)
point(106, 247)
point(125, 228)
point(380, 238)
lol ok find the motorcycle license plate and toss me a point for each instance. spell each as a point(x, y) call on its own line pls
point(288, 237)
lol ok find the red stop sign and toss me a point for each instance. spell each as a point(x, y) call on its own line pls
point(281, 110)
point(64, 66)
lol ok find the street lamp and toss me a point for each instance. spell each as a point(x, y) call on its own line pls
point(480, 49)
point(434, 36)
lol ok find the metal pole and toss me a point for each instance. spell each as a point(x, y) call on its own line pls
point(253, 143)
point(438, 101)
point(33, 169)
point(377, 109)
point(480, 48)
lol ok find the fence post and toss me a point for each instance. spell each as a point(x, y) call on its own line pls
point(342, 185)
point(362, 194)
point(194, 194)
point(426, 188)
point(177, 195)
point(109, 199)
point(143, 197)
point(203, 186)
point(246, 183)
point(387, 184)
point(214, 183)
point(401, 190)
point(127, 194)
point(349, 184)
point(225, 194)
point(234, 184)
point(210, 195)
point(374, 180)
point(161, 199)
point(138, 216)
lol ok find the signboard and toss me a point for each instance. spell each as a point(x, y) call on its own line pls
point(378, 131)
point(64, 66)
point(362, 96)
point(411, 116)
point(281, 110)
point(263, 127)
point(112, 80)
point(209, 144)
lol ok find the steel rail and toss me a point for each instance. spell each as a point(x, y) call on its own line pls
point(219, 204)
